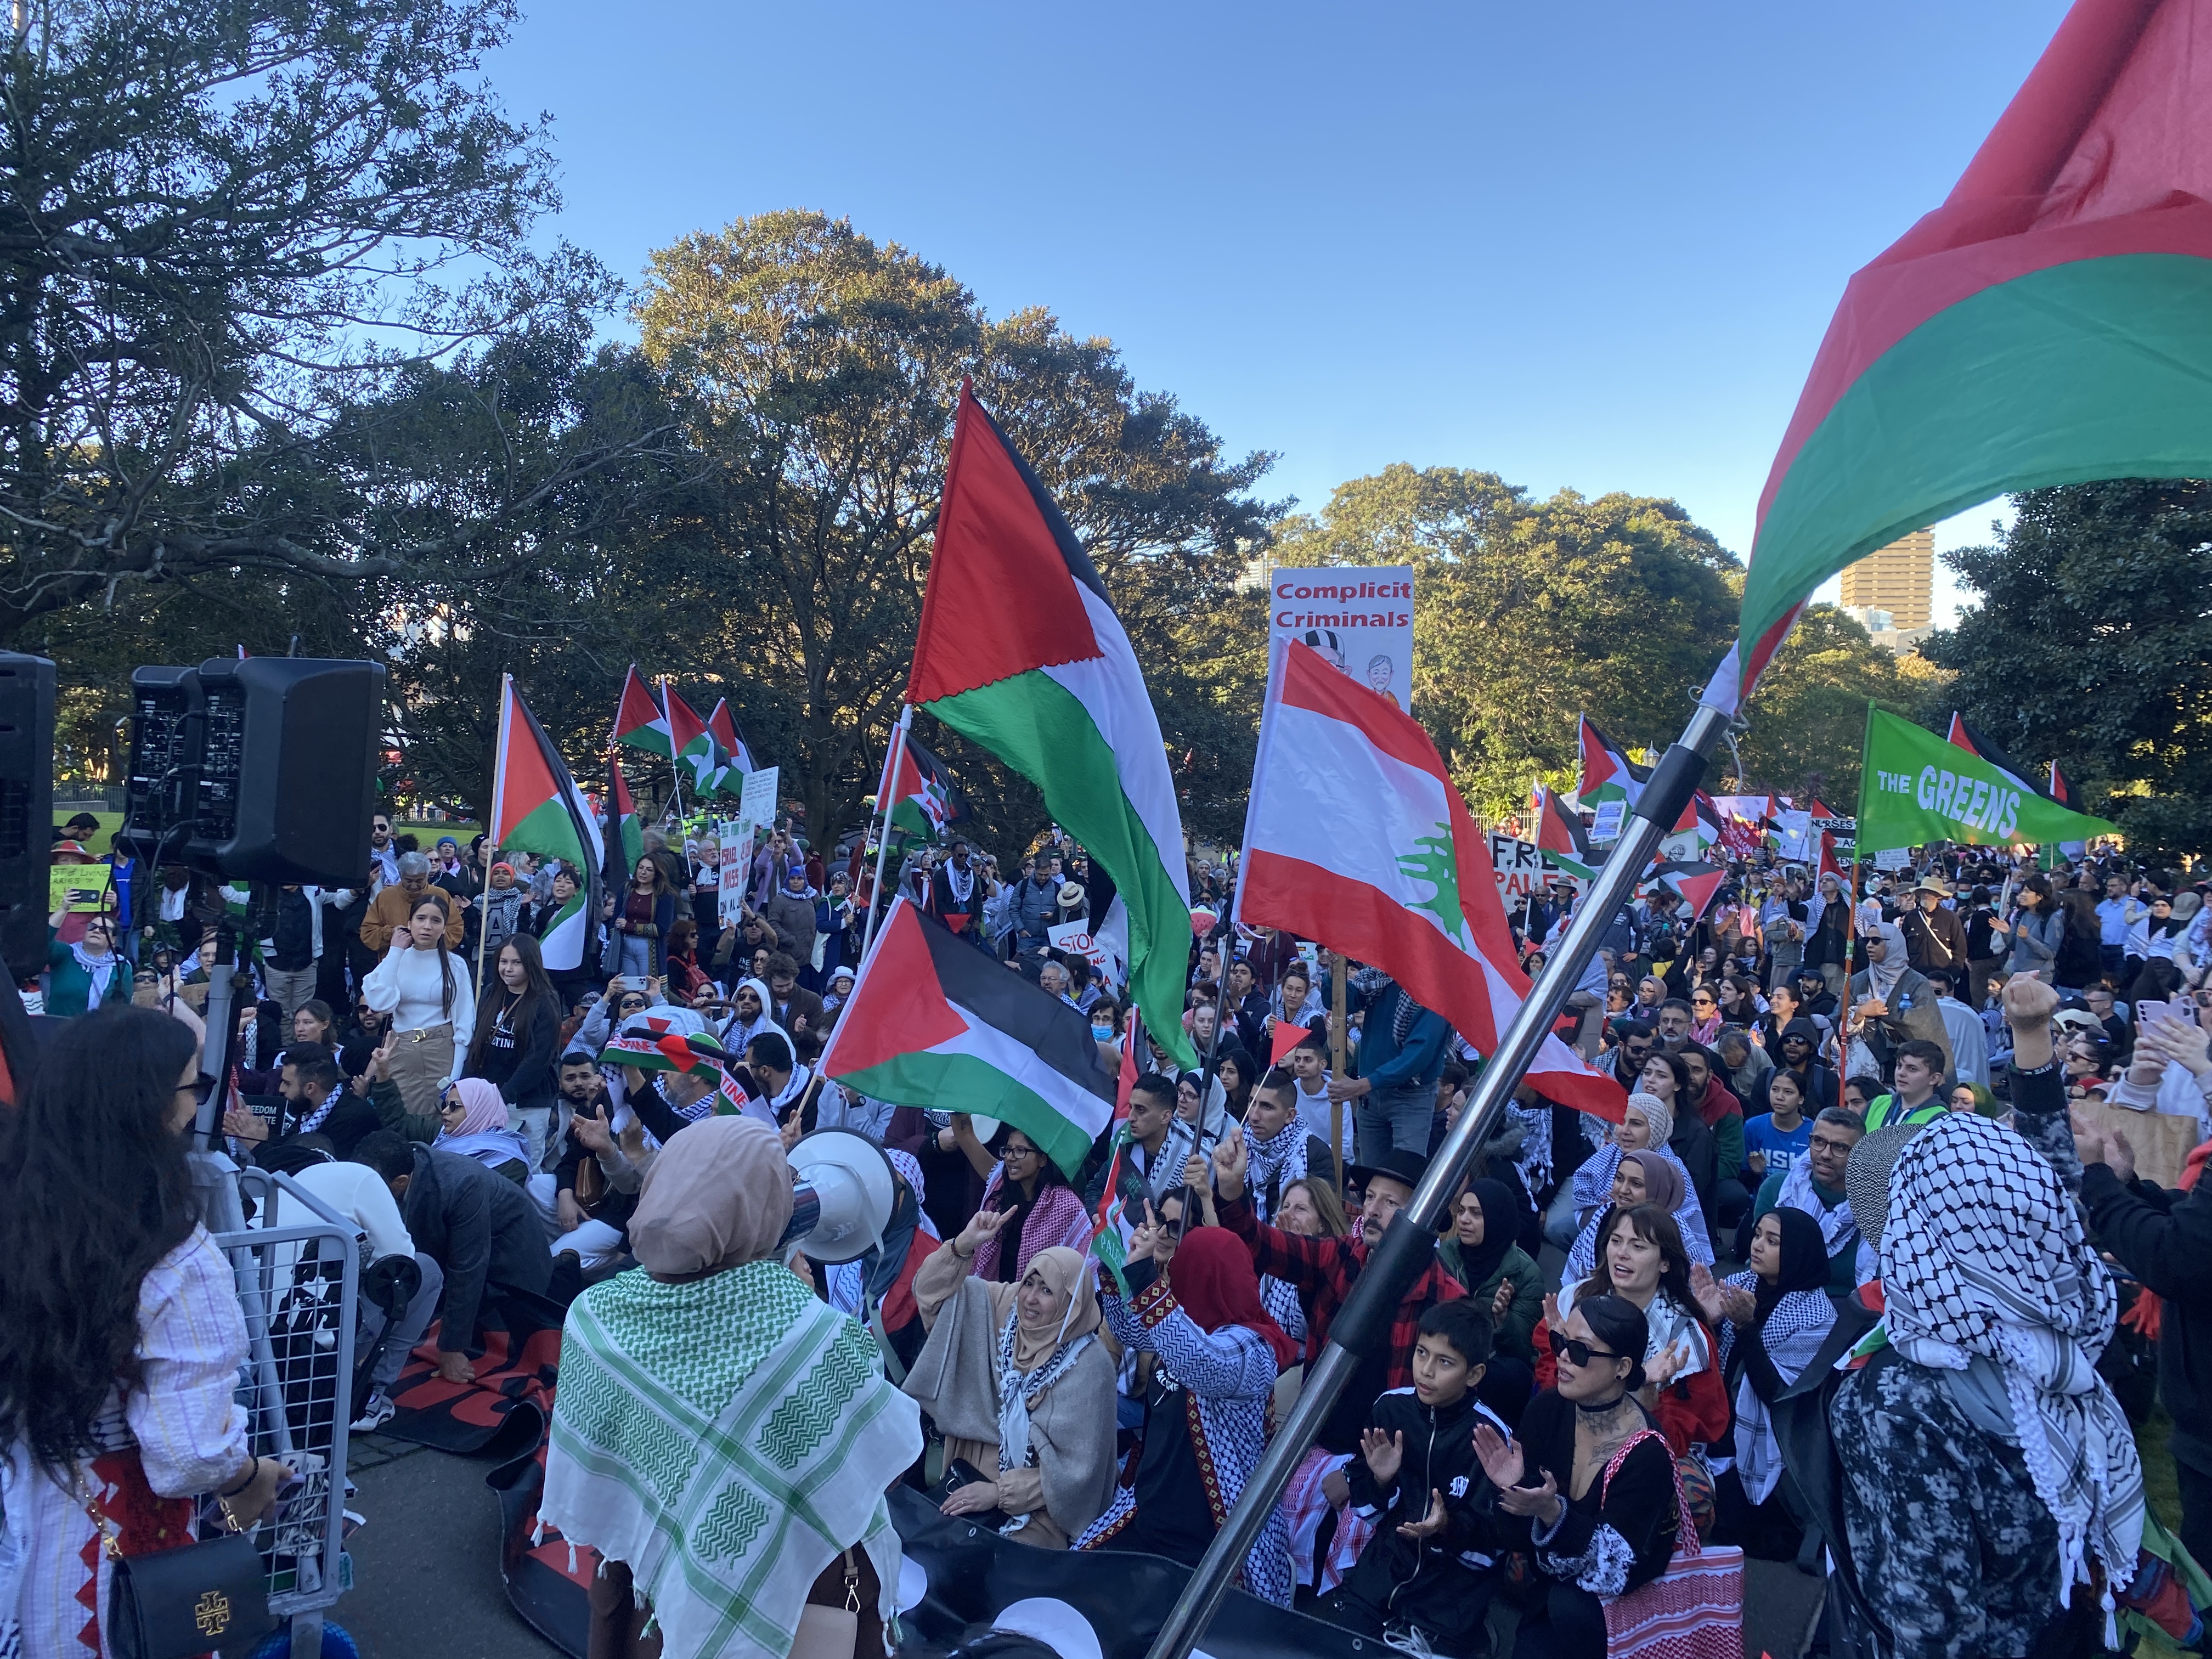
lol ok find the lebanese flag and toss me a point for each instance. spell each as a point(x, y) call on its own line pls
point(1020, 651)
point(2051, 323)
point(536, 806)
point(638, 719)
point(738, 760)
point(936, 1024)
point(695, 744)
point(1357, 837)
point(1607, 774)
point(1560, 836)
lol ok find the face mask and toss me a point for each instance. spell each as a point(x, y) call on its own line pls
point(1102, 1033)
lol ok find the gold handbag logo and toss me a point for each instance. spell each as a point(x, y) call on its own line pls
point(212, 1613)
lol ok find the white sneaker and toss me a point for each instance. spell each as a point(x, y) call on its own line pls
point(374, 1414)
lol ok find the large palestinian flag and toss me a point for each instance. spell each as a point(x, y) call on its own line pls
point(921, 800)
point(1964, 735)
point(638, 719)
point(1607, 774)
point(536, 805)
point(935, 1023)
point(2050, 324)
point(1021, 653)
point(1357, 837)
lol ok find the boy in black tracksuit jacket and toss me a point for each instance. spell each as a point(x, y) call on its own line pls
point(1429, 1570)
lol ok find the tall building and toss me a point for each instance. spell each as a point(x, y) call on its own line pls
point(1899, 579)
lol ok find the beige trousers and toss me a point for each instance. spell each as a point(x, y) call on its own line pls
point(420, 1064)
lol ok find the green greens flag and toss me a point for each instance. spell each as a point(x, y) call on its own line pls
point(1916, 787)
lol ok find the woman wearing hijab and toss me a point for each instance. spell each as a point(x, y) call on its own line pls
point(1988, 1471)
point(1658, 1178)
point(472, 1122)
point(1772, 1319)
point(1205, 1407)
point(721, 1437)
point(1891, 1003)
point(1481, 1252)
point(1015, 1376)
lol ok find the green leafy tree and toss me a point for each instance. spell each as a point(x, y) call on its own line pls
point(2092, 641)
point(1526, 612)
point(819, 371)
point(219, 224)
point(1807, 714)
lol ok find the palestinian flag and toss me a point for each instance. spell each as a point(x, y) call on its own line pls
point(638, 719)
point(2062, 791)
point(2050, 324)
point(737, 758)
point(921, 800)
point(1357, 838)
point(695, 744)
point(1964, 735)
point(1607, 773)
point(935, 1023)
point(625, 833)
point(1020, 651)
point(536, 805)
point(1561, 838)
point(1695, 880)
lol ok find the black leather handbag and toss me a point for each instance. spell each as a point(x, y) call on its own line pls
point(961, 1473)
point(175, 1603)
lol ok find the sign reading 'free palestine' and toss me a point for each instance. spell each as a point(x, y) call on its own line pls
point(1917, 788)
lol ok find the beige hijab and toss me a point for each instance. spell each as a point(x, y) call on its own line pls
point(1065, 1272)
point(718, 1195)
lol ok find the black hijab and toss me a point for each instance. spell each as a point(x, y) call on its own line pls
point(1804, 1260)
point(1501, 1225)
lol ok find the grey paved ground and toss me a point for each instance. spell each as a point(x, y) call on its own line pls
point(427, 1569)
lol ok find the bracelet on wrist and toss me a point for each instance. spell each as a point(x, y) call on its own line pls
point(252, 1469)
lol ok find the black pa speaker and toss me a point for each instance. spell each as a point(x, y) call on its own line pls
point(26, 808)
point(261, 769)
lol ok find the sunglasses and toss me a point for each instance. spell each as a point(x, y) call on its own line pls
point(450, 1102)
point(1576, 1352)
point(1701, 1002)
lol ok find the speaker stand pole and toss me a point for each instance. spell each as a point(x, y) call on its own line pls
point(883, 822)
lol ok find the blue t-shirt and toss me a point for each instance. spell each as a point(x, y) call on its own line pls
point(1782, 1147)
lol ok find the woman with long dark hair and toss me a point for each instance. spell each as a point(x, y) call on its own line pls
point(120, 1333)
point(518, 1034)
point(1029, 1187)
point(643, 915)
point(432, 1003)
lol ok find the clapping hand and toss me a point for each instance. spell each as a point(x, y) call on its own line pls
point(1707, 1290)
point(1385, 1454)
point(1430, 1524)
point(1668, 1366)
point(1502, 1300)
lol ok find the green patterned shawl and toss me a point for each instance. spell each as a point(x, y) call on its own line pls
point(726, 1438)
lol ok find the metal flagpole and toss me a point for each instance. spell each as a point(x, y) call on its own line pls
point(882, 818)
point(675, 761)
point(1410, 1244)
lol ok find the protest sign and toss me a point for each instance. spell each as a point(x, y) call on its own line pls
point(75, 887)
point(1074, 939)
point(1521, 872)
point(1359, 617)
point(1605, 828)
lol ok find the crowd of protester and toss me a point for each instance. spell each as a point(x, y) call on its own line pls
point(1896, 1246)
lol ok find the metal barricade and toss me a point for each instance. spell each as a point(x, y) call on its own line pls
point(298, 1269)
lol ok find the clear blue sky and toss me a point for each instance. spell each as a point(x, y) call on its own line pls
point(1591, 245)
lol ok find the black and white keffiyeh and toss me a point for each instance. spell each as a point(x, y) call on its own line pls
point(1792, 1333)
point(1838, 1231)
point(1984, 1256)
point(1276, 1161)
point(1016, 1390)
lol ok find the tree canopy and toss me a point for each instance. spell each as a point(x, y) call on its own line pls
point(2092, 643)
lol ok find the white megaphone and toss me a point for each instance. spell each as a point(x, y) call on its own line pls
point(842, 1193)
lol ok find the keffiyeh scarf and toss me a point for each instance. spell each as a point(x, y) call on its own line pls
point(1581, 1256)
point(1016, 1392)
point(1275, 1163)
point(1837, 1230)
point(726, 1438)
point(1791, 1334)
point(1983, 1256)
